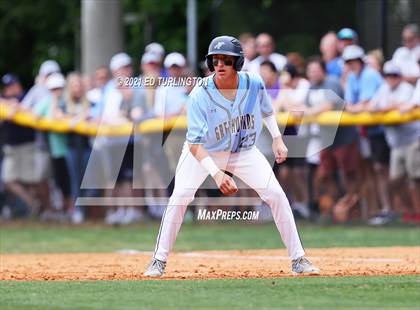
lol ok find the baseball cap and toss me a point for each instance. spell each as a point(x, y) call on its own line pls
point(119, 60)
point(347, 34)
point(48, 67)
point(155, 48)
point(352, 52)
point(174, 59)
point(148, 58)
point(391, 68)
point(55, 80)
point(9, 79)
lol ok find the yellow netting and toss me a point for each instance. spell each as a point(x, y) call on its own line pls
point(157, 125)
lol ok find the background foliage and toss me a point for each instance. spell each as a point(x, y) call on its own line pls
point(32, 31)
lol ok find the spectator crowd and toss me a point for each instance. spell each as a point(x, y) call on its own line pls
point(368, 173)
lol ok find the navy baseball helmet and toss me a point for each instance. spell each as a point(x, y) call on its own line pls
point(225, 45)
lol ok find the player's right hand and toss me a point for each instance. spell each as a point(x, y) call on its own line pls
point(225, 183)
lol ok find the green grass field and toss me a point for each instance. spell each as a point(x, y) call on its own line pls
point(38, 238)
point(392, 292)
point(296, 293)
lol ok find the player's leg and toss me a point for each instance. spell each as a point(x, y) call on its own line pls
point(188, 178)
point(253, 168)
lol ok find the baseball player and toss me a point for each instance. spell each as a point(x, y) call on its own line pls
point(225, 117)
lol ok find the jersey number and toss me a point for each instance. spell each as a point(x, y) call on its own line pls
point(248, 140)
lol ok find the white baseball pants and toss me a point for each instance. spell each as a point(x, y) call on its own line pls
point(252, 168)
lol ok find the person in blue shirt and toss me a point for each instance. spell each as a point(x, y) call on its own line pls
point(225, 117)
point(330, 54)
point(362, 84)
point(332, 46)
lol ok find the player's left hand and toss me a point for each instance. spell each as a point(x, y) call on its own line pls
point(225, 183)
point(280, 150)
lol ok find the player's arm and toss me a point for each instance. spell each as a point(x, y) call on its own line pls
point(279, 148)
point(269, 120)
point(225, 183)
point(197, 129)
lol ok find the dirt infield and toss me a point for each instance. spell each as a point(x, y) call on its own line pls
point(127, 265)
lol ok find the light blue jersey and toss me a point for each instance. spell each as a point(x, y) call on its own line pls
point(223, 125)
point(363, 87)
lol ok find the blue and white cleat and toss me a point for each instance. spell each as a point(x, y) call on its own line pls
point(156, 268)
point(302, 265)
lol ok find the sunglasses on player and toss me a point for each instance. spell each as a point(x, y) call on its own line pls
point(226, 62)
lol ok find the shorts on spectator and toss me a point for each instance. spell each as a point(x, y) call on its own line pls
point(405, 160)
point(120, 161)
point(62, 175)
point(25, 163)
point(126, 170)
point(380, 149)
point(345, 158)
point(290, 162)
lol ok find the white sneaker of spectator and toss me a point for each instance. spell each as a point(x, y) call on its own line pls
point(51, 216)
point(155, 211)
point(76, 216)
point(131, 215)
point(6, 213)
point(302, 209)
point(114, 217)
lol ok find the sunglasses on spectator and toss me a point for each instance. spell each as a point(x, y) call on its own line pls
point(392, 75)
point(226, 62)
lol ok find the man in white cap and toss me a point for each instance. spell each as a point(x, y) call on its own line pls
point(404, 139)
point(36, 94)
point(121, 70)
point(166, 100)
point(39, 91)
point(362, 84)
point(121, 102)
point(155, 48)
point(52, 107)
point(158, 50)
point(150, 65)
point(170, 99)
